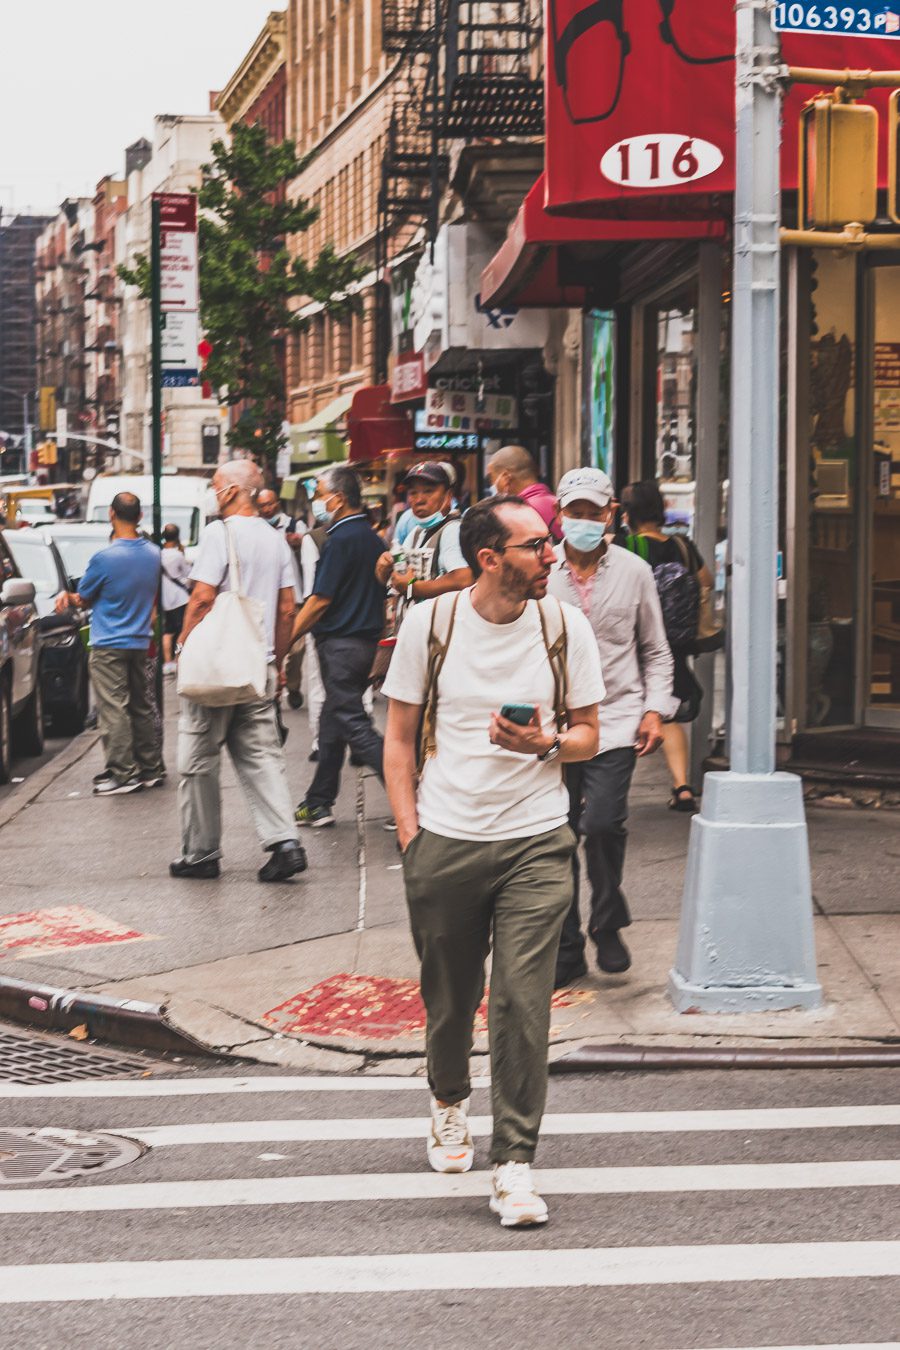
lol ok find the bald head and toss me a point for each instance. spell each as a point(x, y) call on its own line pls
point(267, 504)
point(511, 469)
point(236, 485)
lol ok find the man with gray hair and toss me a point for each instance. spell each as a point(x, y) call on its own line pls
point(345, 614)
point(249, 730)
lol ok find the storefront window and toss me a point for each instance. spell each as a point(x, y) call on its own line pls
point(832, 493)
point(884, 662)
point(676, 395)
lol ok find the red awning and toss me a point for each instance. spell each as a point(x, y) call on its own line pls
point(525, 270)
point(375, 426)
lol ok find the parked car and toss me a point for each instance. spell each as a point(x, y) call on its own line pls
point(65, 684)
point(21, 701)
point(77, 541)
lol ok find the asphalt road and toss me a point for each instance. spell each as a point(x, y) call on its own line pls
point(23, 768)
point(339, 1236)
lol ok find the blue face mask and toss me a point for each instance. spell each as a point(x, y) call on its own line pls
point(584, 535)
point(320, 511)
point(492, 490)
point(434, 519)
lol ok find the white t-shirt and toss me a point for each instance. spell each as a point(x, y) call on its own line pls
point(175, 569)
point(471, 789)
point(264, 558)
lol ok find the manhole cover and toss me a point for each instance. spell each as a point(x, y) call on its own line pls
point(33, 1059)
point(53, 1155)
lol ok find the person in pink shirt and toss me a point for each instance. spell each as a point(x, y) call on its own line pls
point(512, 471)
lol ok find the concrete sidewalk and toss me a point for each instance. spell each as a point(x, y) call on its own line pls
point(321, 972)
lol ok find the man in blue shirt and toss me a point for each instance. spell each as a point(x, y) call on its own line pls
point(120, 586)
point(345, 614)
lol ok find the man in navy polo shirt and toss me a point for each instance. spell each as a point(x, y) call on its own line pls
point(345, 614)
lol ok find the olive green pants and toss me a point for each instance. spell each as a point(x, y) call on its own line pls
point(465, 898)
point(131, 742)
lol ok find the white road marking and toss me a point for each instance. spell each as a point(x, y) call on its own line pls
point(408, 1271)
point(832, 1345)
point(585, 1122)
point(368, 1187)
point(208, 1087)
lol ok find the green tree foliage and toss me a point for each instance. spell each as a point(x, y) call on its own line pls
point(248, 280)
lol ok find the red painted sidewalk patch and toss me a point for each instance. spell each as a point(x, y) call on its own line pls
point(371, 1006)
point(53, 930)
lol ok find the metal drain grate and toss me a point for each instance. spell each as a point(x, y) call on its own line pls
point(53, 1155)
point(33, 1059)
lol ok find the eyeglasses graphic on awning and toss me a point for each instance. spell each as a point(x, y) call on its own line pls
point(592, 44)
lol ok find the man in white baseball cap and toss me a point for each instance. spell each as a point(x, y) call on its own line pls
point(621, 603)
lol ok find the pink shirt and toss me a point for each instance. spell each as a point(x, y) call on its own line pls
point(542, 499)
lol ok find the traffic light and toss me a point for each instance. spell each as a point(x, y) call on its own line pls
point(838, 163)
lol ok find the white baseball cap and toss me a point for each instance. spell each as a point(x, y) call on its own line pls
point(585, 485)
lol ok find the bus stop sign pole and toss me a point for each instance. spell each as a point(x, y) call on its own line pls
point(746, 938)
point(156, 444)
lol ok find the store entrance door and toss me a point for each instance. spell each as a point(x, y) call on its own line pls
point(881, 500)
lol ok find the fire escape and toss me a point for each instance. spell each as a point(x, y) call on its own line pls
point(467, 70)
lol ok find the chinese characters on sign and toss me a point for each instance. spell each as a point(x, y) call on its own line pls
point(449, 411)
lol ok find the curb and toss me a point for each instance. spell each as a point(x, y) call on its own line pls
point(611, 1058)
point(47, 774)
point(143, 1026)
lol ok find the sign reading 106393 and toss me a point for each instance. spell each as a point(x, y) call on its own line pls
point(861, 18)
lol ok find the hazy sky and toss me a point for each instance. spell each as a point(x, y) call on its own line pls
point(81, 79)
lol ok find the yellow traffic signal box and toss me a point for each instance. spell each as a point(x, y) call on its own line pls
point(893, 152)
point(838, 163)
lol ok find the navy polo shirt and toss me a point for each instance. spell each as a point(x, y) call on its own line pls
point(345, 575)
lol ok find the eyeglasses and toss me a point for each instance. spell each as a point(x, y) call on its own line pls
point(536, 546)
point(591, 45)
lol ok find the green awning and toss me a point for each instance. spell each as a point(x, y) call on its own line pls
point(316, 441)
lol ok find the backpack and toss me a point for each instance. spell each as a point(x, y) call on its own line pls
point(678, 589)
point(443, 618)
point(419, 539)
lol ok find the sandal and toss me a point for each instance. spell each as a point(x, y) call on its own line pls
point(683, 799)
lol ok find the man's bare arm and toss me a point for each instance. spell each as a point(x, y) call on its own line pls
point(312, 611)
point(284, 623)
point(400, 767)
point(201, 601)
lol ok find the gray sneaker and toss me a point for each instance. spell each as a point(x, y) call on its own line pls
point(111, 787)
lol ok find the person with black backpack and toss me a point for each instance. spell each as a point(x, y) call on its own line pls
point(681, 576)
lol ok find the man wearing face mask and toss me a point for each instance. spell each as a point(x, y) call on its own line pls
point(434, 562)
point(622, 605)
point(345, 614)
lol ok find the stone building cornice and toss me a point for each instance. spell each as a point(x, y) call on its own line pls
point(262, 62)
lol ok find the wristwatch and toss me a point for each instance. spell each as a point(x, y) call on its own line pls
point(553, 753)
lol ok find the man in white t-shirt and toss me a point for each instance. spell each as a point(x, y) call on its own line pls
point(249, 730)
point(487, 851)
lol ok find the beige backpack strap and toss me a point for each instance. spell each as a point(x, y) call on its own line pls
point(438, 647)
point(557, 645)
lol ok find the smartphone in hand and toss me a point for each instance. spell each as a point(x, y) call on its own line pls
point(520, 713)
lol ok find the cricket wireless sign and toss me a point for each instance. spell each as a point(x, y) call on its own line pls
point(640, 93)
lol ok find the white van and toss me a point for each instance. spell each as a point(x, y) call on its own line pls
point(185, 502)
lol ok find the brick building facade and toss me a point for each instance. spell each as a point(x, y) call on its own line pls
point(18, 329)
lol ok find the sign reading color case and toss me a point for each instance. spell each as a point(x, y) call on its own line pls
point(640, 100)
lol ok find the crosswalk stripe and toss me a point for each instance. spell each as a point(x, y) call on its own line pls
point(375, 1186)
point(585, 1122)
point(203, 1087)
point(412, 1271)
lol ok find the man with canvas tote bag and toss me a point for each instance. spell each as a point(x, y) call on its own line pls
point(236, 632)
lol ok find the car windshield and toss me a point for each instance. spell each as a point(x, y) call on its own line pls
point(187, 518)
point(36, 563)
point(77, 550)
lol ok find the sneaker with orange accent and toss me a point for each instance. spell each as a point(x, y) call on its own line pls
point(450, 1147)
point(514, 1198)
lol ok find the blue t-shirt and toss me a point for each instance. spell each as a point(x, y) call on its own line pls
point(120, 584)
point(346, 575)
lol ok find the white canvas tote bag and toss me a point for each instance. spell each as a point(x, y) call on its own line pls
point(225, 658)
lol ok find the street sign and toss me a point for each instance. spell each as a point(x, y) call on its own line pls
point(179, 279)
point(180, 336)
point(62, 428)
point(854, 18)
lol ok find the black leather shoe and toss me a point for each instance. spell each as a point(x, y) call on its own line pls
point(205, 870)
point(285, 861)
point(613, 957)
point(569, 971)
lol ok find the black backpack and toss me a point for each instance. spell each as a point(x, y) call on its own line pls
point(678, 589)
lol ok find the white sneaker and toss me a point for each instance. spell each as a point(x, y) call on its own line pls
point(450, 1147)
point(513, 1196)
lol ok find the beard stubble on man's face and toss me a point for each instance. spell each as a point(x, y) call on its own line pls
point(519, 584)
